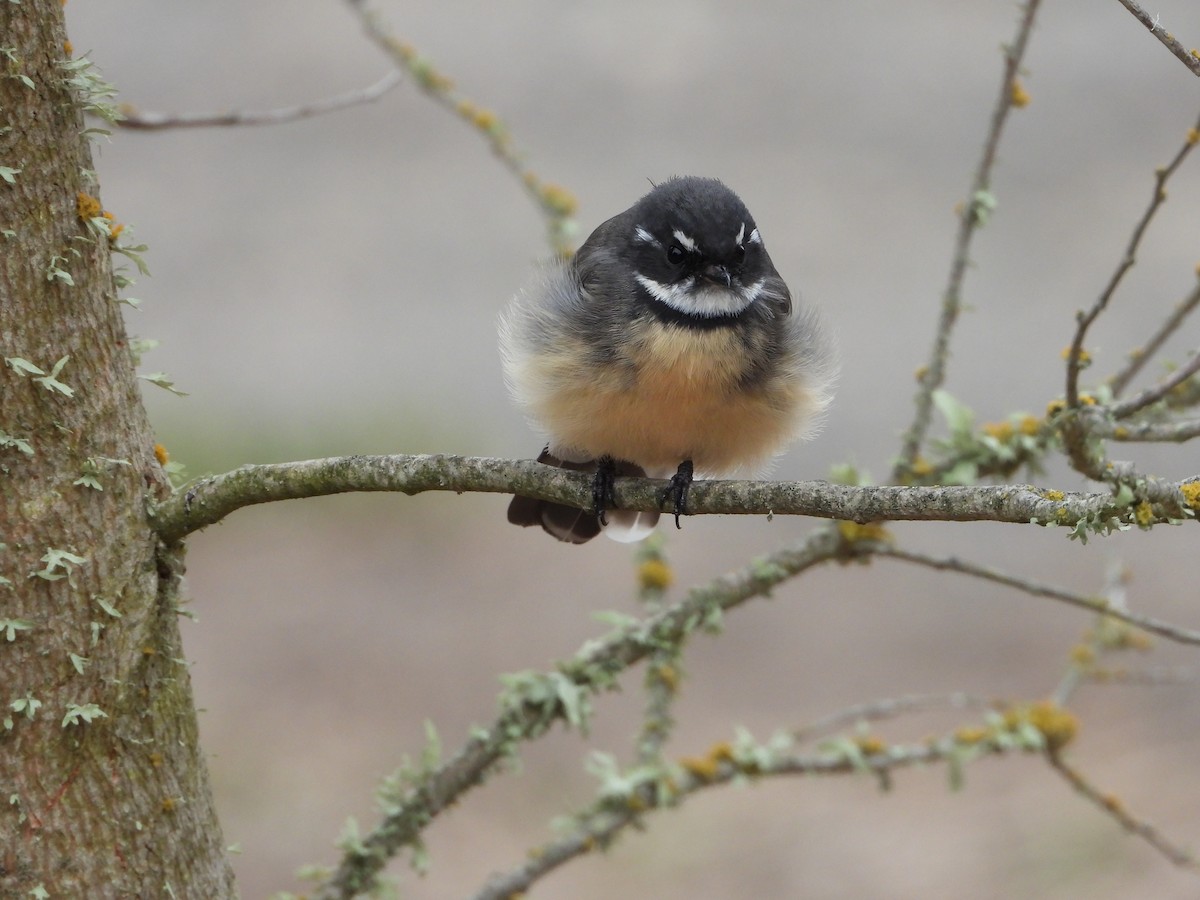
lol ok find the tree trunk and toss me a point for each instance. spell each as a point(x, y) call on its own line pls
point(103, 789)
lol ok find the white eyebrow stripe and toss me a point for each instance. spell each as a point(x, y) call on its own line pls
point(755, 237)
point(684, 241)
point(641, 234)
point(740, 235)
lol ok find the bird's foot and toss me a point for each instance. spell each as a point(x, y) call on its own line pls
point(681, 483)
point(602, 487)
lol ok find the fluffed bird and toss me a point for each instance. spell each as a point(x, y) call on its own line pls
point(667, 344)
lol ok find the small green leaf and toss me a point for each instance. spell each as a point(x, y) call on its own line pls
point(10, 627)
point(163, 380)
point(22, 366)
point(51, 383)
point(58, 559)
point(7, 440)
point(107, 607)
point(959, 417)
point(88, 712)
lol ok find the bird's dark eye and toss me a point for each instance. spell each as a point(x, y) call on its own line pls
point(676, 255)
point(739, 254)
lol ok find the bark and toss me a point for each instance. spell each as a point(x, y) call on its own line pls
point(118, 806)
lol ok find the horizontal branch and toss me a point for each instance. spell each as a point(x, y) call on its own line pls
point(211, 499)
point(132, 117)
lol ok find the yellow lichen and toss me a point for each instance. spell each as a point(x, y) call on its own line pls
point(1120, 432)
point(1144, 513)
point(921, 467)
point(1020, 96)
point(1001, 431)
point(1055, 406)
point(668, 675)
point(922, 371)
point(1029, 425)
point(654, 574)
point(705, 768)
point(1083, 656)
point(560, 201)
point(87, 206)
point(871, 745)
point(971, 734)
point(68, 48)
point(1054, 495)
point(1193, 136)
point(1085, 358)
point(853, 532)
point(1191, 493)
point(160, 453)
point(1057, 726)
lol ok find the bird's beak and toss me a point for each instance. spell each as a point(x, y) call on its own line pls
point(718, 275)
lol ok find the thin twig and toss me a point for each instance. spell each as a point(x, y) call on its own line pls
point(1139, 357)
point(663, 668)
point(974, 213)
point(1085, 319)
point(1153, 676)
point(1037, 589)
point(132, 117)
point(1190, 58)
point(1158, 391)
point(1127, 820)
point(1149, 432)
point(1101, 638)
point(889, 708)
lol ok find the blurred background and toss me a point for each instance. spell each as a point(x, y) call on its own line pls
point(332, 286)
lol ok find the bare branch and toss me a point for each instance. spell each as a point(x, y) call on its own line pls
point(211, 499)
point(1037, 589)
point(1158, 391)
point(1113, 806)
point(888, 708)
point(1085, 319)
point(131, 117)
point(974, 213)
point(1191, 59)
point(1142, 355)
point(1149, 432)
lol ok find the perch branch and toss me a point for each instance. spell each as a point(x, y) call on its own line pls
point(211, 499)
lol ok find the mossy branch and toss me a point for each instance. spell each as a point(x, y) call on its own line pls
point(211, 499)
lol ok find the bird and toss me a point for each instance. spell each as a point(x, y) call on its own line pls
point(667, 345)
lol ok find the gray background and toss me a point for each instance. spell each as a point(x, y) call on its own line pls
point(332, 286)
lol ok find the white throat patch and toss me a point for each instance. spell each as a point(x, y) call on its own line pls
point(703, 300)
